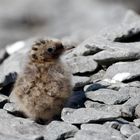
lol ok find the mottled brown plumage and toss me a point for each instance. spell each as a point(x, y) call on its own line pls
point(44, 86)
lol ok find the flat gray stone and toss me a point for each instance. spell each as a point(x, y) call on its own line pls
point(127, 130)
point(80, 81)
point(107, 96)
point(87, 48)
point(104, 107)
point(116, 124)
point(123, 71)
point(15, 126)
point(98, 128)
point(60, 130)
point(11, 125)
point(128, 108)
point(137, 122)
point(137, 111)
point(132, 91)
point(134, 84)
point(11, 107)
point(92, 104)
point(15, 62)
point(84, 115)
point(97, 76)
point(135, 136)
point(109, 57)
point(91, 135)
point(71, 139)
point(82, 64)
point(10, 137)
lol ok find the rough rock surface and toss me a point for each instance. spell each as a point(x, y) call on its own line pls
point(107, 96)
point(105, 103)
point(128, 130)
point(87, 115)
point(82, 64)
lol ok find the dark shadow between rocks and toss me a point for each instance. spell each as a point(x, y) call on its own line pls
point(3, 103)
point(89, 73)
point(96, 86)
point(129, 38)
point(5, 56)
point(6, 90)
point(17, 114)
point(133, 79)
point(8, 83)
point(76, 100)
point(129, 119)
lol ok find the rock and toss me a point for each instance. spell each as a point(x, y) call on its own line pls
point(6, 137)
point(11, 107)
point(9, 67)
point(113, 84)
point(122, 43)
point(137, 122)
point(91, 135)
point(86, 115)
point(132, 91)
point(60, 130)
point(137, 111)
point(104, 107)
point(107, 96)
point(71, 139)
point(19, 127)
point(15, 63)
point(127, 35)
point(106, 83)
point(92, 104)
point(128, 108)
point(25, 128)
point(19, 22)
point(109, 57)
point(97, 76)
point(123, 71)
point(99, 129)
point(135, 136)
point(116, 124)
point(86, 48)
point(3, 100)
point(127, 130)
point(113, 124)
point(80, 81)
point(82, 64)
point(135, 84)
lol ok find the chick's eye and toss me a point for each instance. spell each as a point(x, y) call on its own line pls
point(50, 50)
point(34, 48)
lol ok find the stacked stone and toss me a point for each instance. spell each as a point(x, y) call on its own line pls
point(105, 104)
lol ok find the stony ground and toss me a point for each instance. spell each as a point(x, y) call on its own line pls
point(71, 20)
point(105, 104)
